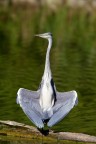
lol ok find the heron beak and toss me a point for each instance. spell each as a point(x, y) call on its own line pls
point(36, 35)
point(40, 35)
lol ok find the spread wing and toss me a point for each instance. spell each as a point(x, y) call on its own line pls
point(64, 103)
point(29, 102)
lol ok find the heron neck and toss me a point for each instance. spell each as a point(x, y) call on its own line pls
point(47, 70)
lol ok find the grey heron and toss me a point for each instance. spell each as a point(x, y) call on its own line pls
point(46, 104)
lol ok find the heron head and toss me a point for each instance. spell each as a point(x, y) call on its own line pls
point(45, 35)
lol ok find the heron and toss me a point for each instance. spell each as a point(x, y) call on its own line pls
point(46, 105)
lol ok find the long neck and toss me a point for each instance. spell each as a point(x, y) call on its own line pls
point(47, 70)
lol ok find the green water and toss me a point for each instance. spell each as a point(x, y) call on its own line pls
point(73, 61)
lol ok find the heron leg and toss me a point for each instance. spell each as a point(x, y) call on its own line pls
point(44, 132)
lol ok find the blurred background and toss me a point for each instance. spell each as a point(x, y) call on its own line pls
point(73, 56)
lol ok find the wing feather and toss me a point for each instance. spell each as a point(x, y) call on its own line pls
point(65, 102)
point(29, 102)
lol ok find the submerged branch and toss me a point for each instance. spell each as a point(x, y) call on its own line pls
point(12, 128)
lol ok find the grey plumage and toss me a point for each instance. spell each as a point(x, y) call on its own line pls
point(46, 102)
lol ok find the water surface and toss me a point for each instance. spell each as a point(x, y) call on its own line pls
point(73, 63)
point(24, 70)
